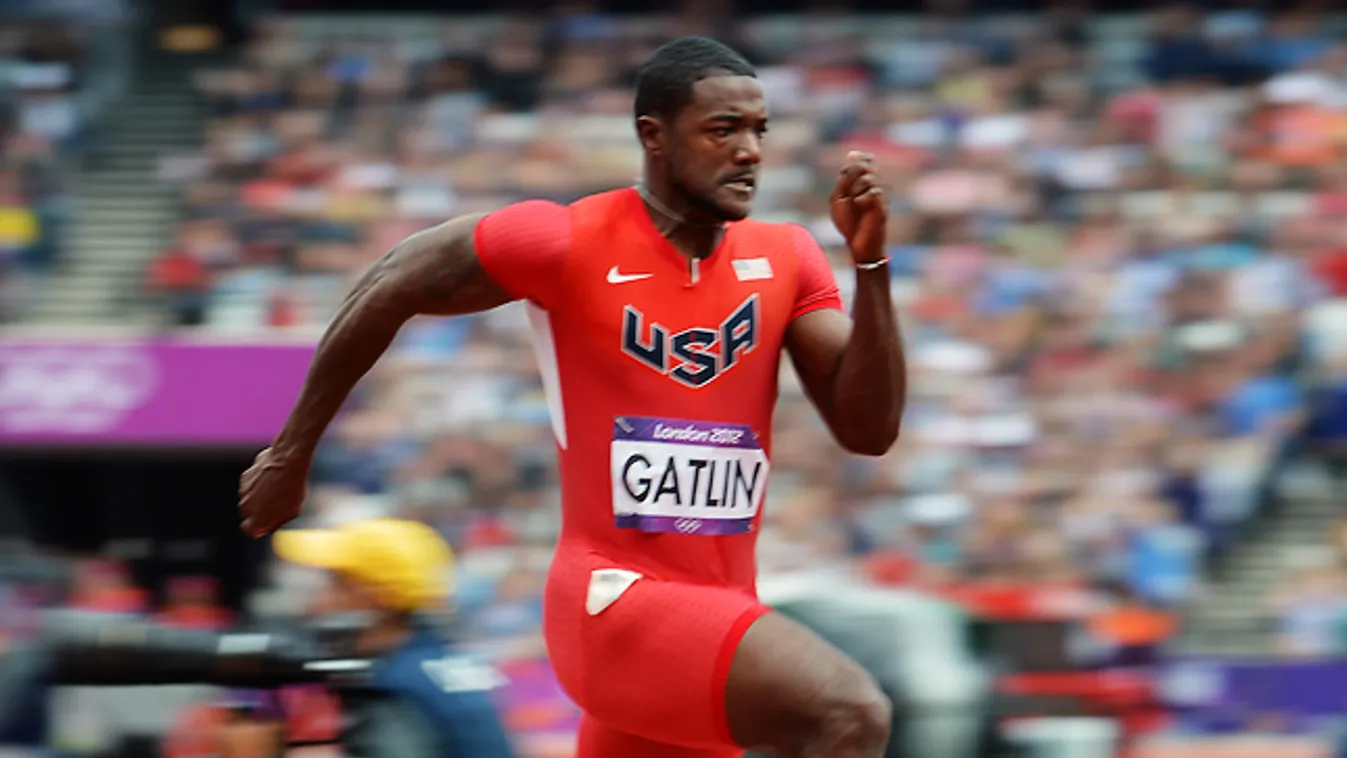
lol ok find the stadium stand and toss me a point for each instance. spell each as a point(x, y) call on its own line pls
point(1118, 247)
point(42, 69)
point(57, 74)
point(1108, 253)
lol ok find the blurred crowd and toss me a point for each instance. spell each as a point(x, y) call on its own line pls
point(1308, 607)
point(1117, 245)
point(42, 65)
point(105, 585)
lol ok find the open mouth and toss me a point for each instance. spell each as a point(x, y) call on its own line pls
point(743, 184)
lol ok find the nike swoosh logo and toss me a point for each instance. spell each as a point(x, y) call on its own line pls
point(614, 277)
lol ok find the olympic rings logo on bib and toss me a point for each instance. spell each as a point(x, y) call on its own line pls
point(686, 477)
point(688, 525)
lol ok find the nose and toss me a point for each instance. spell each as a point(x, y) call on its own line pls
point(749, 150)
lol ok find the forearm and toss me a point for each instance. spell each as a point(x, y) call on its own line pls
point(869, 386)
point(362, 331)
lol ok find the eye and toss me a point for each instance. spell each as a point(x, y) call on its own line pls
point(722, 132)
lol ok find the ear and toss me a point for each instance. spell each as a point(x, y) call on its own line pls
point(651, 131)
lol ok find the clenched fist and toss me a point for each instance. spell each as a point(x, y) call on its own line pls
point(859, 208)
point(272, 491)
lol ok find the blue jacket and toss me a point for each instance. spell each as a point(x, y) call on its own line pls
point(426, 702)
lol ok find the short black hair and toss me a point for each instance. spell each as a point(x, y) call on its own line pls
point(664, 82)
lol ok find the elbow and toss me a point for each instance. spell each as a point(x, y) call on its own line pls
point(867, 450)
point(874, 440)
point(876, 447)
point(865, 422)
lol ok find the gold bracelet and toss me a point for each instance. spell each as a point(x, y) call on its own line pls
point(872, 265)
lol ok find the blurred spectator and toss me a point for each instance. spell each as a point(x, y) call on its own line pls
point(246, 734)
point(105, 586)
point(191, 604)
point(180, 278)
point(230, 730)
point(45, 77)
point(1165, 555)
point(1128, 631)
point(18, 224)
point(19, 230)
point(511, 620)
point(1328, 424)
point(1308, 609)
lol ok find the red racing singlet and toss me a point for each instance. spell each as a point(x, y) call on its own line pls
point(660, 373)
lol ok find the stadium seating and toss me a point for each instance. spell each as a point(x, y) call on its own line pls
point(1114, 246)
point(59, 71)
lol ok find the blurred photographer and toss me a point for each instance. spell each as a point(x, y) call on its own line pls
point(420, 700)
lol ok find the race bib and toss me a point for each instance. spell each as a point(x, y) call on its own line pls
point(687, 477)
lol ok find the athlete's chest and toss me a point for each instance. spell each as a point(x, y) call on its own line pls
point(691, 321)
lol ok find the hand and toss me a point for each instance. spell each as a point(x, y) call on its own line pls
point(859, 209)
point(272, 491)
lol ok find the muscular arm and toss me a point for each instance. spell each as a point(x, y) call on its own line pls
point(853, 369)
point(435, 271)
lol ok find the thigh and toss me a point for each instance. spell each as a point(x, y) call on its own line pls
point(786, 681)
point(656, 659)
point(597, 740)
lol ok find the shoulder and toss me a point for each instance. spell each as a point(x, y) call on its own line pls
point(786, 238)
point(604, 212)
point(610, 202)
point(530, 213)
point(554, 217)
point(789, 246)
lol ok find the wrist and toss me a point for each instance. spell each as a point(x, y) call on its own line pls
point(288, 448)
point(872, 264)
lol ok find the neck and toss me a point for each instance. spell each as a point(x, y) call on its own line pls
point(693, 237)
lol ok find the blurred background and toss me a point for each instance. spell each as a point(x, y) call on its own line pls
point(1119, 244)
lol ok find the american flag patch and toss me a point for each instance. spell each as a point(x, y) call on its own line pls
point(752, 269)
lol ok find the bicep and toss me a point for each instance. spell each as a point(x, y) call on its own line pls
point(819, 329)
point(815, 342)
point(439, 273)
point(475, 263)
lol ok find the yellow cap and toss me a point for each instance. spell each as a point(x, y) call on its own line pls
point(406, 564)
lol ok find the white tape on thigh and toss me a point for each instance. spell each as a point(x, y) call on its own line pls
point(606, 586)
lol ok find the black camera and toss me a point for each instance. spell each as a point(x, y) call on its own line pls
point(92, 649)
point(100, 649)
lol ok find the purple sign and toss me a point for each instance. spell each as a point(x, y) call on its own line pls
point(152, 391)
point(1224, 695)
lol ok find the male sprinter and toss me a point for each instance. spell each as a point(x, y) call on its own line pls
point(659, 315)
